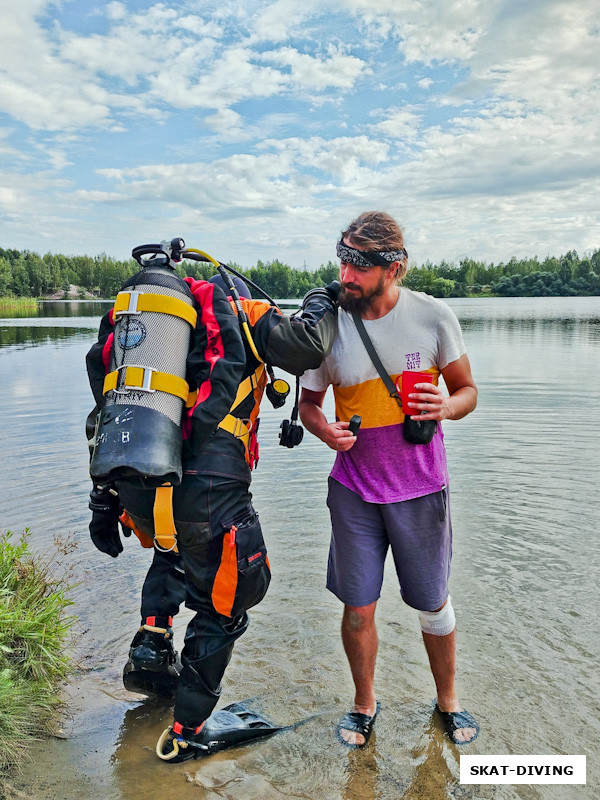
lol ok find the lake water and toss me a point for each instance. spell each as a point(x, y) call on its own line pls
point(525, 471)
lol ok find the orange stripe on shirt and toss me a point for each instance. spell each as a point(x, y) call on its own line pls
point(371, 400)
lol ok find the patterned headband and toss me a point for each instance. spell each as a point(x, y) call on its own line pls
point(368, 258)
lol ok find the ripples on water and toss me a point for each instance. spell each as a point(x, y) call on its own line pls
point(524, 471)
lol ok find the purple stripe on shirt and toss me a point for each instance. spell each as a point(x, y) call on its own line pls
point(382, 467)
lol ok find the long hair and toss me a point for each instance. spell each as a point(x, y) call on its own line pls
point(376, 230)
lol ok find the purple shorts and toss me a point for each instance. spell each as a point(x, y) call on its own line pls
point(419, 532)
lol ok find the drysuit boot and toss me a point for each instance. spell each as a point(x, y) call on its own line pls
point(233, 725)
point(153, 667)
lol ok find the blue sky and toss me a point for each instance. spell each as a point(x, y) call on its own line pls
point(258, 130)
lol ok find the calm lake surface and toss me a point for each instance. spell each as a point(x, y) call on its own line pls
point(525, 470)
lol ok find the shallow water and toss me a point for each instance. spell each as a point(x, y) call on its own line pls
point(524, 477)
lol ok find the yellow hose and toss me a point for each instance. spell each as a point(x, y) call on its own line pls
point(201, 253)
point(244, 323)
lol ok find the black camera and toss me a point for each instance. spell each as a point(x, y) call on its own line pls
point(354, 424)
point(290, 433)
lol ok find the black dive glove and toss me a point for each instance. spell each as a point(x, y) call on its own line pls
point(104, 527)
point(331, 292)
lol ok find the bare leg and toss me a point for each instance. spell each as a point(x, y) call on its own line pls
point(442, 659)
point(359, 637)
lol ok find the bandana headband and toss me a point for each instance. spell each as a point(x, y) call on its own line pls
point(368, 258)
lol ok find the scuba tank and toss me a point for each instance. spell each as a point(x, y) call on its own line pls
point(138, 432)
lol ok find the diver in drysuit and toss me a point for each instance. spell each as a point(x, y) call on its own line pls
point(221, 568)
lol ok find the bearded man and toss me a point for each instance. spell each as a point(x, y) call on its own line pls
point(385, 490)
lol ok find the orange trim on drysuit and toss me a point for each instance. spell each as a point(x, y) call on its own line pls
point(145, 540)
point(226, 579)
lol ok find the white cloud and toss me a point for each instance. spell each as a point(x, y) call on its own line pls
point(309, 72)
point(38, 88)
point(427, 30)
point(8, 198)
point(93, 196)
point(115, 10)
point(397, 123)
point(229, 126)
point(276, 21)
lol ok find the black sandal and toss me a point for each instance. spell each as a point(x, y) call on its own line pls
point(453, 720)
point(356, 722)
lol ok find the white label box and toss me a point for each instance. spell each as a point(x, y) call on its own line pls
point(522, 769)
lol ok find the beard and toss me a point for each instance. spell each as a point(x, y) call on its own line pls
point(359, 303)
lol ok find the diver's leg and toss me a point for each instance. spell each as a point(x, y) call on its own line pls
point(226, 573)
point(164, 589)
point(153, 665)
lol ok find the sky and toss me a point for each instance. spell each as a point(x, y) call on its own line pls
point(258, 130)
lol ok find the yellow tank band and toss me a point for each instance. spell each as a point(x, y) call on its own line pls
point(136, 302)
point(147, 380)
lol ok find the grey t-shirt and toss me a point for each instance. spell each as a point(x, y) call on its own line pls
point(420, 334)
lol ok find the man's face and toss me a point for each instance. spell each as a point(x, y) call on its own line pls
point(360, 286)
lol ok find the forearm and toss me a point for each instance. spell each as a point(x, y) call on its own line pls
point(461, 402)
point(313, 418)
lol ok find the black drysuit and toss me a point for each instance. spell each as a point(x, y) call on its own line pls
point(222, 568)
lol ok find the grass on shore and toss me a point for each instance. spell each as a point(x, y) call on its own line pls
point(34, 632)
point(20, 304)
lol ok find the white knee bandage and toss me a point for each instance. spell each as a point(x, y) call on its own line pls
point(438, 623)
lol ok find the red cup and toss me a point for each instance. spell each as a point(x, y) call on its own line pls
point(406, 384)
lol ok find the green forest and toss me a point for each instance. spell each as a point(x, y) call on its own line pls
point(27, 274)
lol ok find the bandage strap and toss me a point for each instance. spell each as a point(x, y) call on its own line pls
point(146, 379)
point(438, 623)
point(135, 302)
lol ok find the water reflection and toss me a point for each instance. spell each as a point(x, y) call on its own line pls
point(133, 759)
point(28, 335)
point(55, 308)
point(432, 776)
point(73, 308)
point(363, 773)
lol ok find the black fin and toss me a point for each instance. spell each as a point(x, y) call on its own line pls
point(234, 725)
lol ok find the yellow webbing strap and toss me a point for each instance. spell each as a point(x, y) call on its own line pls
point(132, 302)
point(191, 399)
point(146, 379)
point(247, 386)
point(237, 427)
point(165, 535)
point(234, 425)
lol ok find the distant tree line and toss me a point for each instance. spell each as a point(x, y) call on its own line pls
point(27, 274)
point(554, 276)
